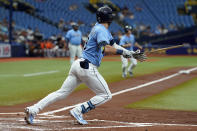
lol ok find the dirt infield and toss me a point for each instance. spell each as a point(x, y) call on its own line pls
point(111, 116)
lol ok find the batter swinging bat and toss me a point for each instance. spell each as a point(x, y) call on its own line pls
point(161, 49)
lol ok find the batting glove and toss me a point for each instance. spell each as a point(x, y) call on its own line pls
point(139, 55)
point(127, 53)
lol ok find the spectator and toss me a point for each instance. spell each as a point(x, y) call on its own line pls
point(158, 30)
point(147, 32)
point(48, 48)
point(163, 29)
point(172, 27)
point(180, 26)
point(4, 28)
point(73, 7)
point(35, 48)
point(37, 35)
point(30, 34)
point(125, 12)
point(61, 24)
point(60, 48)
point(22, 37)
point(138, 8)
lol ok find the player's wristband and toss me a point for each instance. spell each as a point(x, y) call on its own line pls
point(119, 52)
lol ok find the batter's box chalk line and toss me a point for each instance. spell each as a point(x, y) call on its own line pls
point(110, 124)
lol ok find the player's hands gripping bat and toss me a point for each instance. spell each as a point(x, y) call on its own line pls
point(137, 55)
point(127, 53)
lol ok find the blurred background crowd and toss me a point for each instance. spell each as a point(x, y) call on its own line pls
point(41, 25)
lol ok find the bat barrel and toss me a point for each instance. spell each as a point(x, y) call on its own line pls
point(162, 49)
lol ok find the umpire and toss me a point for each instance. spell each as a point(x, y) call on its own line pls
point(74, 40)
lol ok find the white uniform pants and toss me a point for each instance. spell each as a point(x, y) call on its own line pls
point(74, 50)
point(125, 63)
point(91, 77)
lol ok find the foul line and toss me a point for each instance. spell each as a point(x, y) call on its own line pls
point(126, 90)
point(28, 75)
point(39, 73)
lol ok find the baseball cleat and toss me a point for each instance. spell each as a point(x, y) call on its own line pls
point(29, 116)
point(124, 75)
point(79, 118)
point(130, 73)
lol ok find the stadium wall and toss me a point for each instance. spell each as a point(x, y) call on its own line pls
point(14, 50)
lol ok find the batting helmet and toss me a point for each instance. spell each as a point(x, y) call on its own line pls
point(104, 15)
point(127, 28)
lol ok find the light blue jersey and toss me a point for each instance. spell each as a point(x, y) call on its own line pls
point(128, 39)
point(74, 37)
point(92, 50)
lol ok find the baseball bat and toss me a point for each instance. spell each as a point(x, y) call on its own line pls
point(162, 49)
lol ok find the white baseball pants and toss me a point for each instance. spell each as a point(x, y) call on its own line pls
point(91, 77)
point(74, 50)
point(125, 63)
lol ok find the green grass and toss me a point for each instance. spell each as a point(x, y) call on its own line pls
point(182, 97)
point(165, 63)
point(16, 89)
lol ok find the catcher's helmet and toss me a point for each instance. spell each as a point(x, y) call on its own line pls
point(104, 15)
point(127, 28)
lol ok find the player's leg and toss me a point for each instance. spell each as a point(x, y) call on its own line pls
point(79, 51)
point(63, 52)
point(72, 51)
point(58, 52)
point(92, 78)
point(132, 66)
point(124, 66)
point(45, 53)
point(67, 87)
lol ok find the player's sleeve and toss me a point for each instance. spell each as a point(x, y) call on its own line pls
point(102, 38)
point(81, 36)
point(133, 39)
point(122, 41)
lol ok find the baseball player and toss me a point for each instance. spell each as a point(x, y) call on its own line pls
point(84, 70)
point(74, 40)
point(128, 41)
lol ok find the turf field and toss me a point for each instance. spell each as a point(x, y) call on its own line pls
point(182, 97)
point(25, 81)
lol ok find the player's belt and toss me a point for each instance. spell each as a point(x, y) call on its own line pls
point(85, 64)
